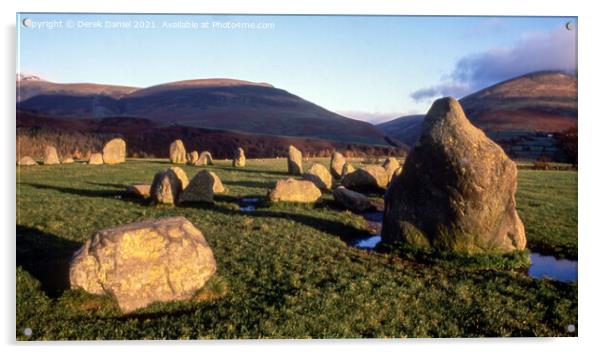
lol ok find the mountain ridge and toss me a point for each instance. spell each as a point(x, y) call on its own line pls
point(216, 103)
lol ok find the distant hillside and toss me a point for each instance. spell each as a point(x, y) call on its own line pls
point(406, 129)
point(514, 113)
point(537, 102)
point(28, 87)
point(225, 104)
point(147, 138)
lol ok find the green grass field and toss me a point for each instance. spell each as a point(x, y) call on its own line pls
point(284, 271)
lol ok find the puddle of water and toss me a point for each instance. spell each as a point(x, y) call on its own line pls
point(367, 243)
point(552, 268)
point(248, 204)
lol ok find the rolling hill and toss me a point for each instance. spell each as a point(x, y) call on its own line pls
point(224, 104)
point(540, 102)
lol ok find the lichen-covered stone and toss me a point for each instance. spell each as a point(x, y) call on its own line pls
point(292, 190)
point(295, 161)
point(144, 262)
point(319, 175)
point(352, 200)
point(51, 157)
point(203, 186)
point(347, 168)
point(456, 190)
point(192, 157)
point(114, 151)
point(95, 159)
point(367, 178)
point(204, 159)
point(337, 161)
point(142, 190)
point(239, 159)
point(166, 187)
point(390, 165)
point(177, 152)
point(182, 176)
point(26, 161)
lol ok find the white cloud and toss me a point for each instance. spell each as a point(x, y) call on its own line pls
point(555, 50)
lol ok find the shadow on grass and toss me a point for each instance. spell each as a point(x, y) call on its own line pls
point(119, 186)
point(120, 194)
point(250, 184)
point(46, 257)
point(253, 171)
point(333, 227)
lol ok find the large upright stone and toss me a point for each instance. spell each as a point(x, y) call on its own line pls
point(114, 151)
point(166, 187)
point(177, 152)
point(204, 159)
point(367, 178)
point(337, 161)
point(95, 159)
point(296, 191)
point(319, 175)
point(182, 176)
point(144, 262)
point(203, 186)
point(295, 161)
point(456, 190)
point(390, 165)
point(51, 157)
point(239, 159)
point(347, 168)
point(192, 157)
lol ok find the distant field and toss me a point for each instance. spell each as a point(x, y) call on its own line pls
point(284, 271)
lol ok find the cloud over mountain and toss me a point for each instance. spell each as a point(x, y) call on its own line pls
point(555, 50)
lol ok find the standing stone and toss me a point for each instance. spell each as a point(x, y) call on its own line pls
point(337, 161)
point(456, 190)
point(319, 175)
point(204, 159)
point(202, 188)
point(192, 157)
point(347, 168)
point(95, 159)
point(367, 178)
point(352, 200)
point(144, 262)
point(292, 190)
point(166, 187)
point(295, 161)
point(177, 152)
point(239, 159)
point(51, 157)
point(26, 161)
point(182, 176)
point(114, 151)
point(67, 160)
point(390, 165)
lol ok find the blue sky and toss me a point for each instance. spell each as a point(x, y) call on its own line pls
point(366, 67)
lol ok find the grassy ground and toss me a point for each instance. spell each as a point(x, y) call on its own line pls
point(284, 271)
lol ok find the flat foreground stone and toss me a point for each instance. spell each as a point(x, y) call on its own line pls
point(144, 262)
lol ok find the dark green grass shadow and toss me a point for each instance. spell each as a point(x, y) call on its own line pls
point(250, 171)
point(120, 194)
point(46, 257)
point(344, 231)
